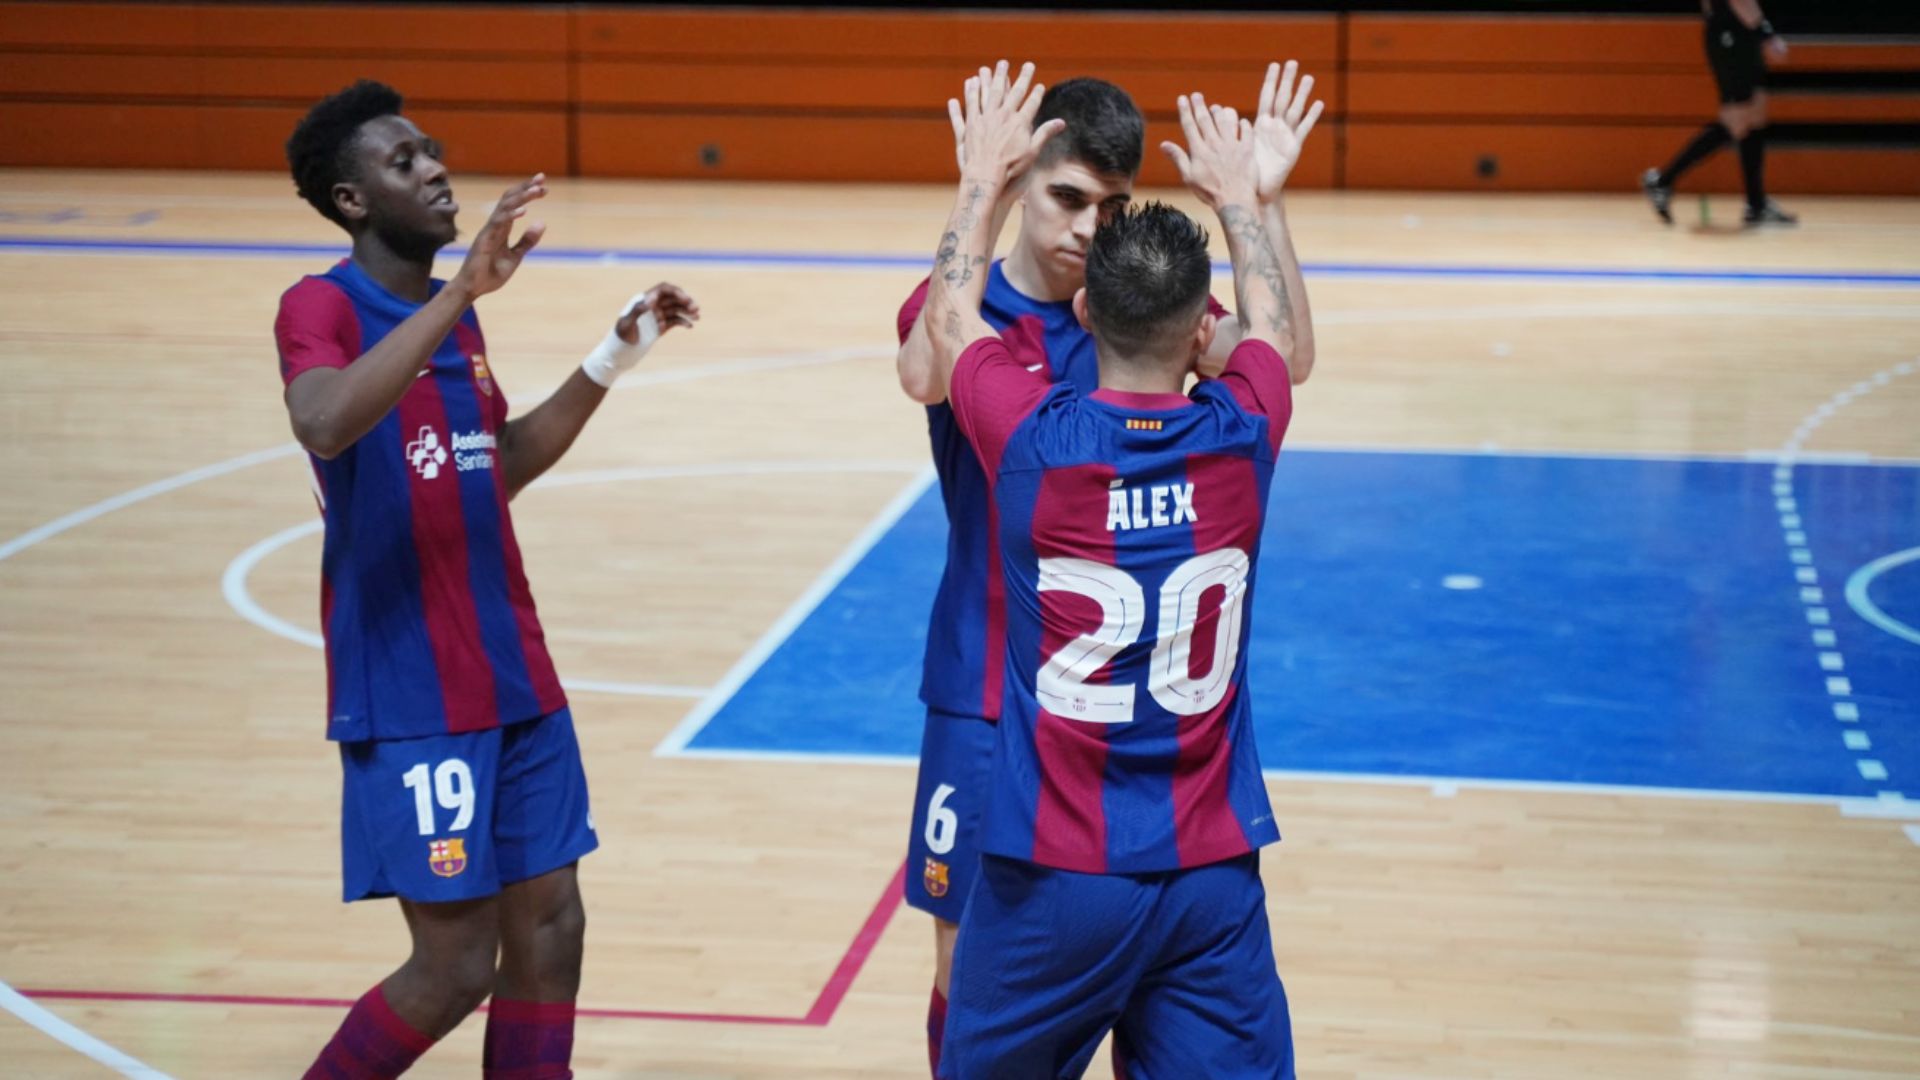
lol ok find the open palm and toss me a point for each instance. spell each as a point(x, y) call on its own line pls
point(1281, 125)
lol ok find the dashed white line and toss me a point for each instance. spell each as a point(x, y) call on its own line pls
point(1807, 578)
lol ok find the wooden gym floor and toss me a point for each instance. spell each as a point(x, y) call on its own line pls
point(168, 808)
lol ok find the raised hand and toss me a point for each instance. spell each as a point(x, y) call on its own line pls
point(671, 306)
point(1218, 163)
point(1280, 126)
point(993, 132)
point(491, 260)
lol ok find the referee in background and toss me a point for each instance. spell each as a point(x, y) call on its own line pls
point(1738, 37)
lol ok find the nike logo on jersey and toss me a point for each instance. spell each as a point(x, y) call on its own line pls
point(1150, 507)
point(1035, 367)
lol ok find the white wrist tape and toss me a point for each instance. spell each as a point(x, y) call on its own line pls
point(613, 357)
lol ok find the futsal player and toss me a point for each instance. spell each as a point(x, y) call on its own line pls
point(1737, 34)
point(1119, 884)
point(464, 794)
point(1081, 178)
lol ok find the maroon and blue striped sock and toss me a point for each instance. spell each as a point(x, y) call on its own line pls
point(529, 1040)
point(373, 1043)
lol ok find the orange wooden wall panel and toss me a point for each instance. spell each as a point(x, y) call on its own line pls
point(411, 29)
point(1598, 158)
point(1849, 55)
point(1530, 157)
point(1817, 108)
point(300, 80)
point(253, 137)
point(970, 37)
point(749, 147)
point(877, 149)
point(155, 26)
point(1544, 94)
point(1591, 41)
point(1843, 171)
point(783, 85)
point(1563, 102)
point(884, 87)
point(421, 30)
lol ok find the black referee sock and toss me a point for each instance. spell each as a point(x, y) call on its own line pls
point(1753, 167)
point(1711, 138)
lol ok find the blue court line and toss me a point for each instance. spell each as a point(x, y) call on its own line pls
point(827, 260)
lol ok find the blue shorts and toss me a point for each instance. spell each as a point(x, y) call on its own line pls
point(1178, 964)
point(956, 755)
point(456, 817)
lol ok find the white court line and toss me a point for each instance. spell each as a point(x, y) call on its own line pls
point(233, 585)
point(233, 582)
point(79, 517)
point(60, 1031)
point(1849, 806)
point(1828, 656)
point(159, 487)
point(676, 741)
point(1863, 605)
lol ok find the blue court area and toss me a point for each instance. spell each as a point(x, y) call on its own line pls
point(1479, 616)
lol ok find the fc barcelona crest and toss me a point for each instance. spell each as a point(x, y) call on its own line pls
point(481, 375)
point(935, 878)
point(447, 857)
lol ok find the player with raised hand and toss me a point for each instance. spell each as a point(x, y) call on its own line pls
point(1080, 178)
point(1119, 886)
point(464, 793)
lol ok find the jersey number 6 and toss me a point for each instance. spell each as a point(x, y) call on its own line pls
point(1062, 681)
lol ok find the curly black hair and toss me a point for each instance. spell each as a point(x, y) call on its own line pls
point(320, 149)
point(1148, 272)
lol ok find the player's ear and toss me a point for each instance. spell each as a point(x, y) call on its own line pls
point(1203, 334)
point(347, 200)
point(1080, 309)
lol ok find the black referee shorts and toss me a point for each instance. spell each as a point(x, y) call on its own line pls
point(1738, 67)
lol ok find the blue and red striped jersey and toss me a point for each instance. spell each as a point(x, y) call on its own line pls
point(1128, 528)
point(429, 624)
point(962, 670)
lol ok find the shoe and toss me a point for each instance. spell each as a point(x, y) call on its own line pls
point(1660, 196)
point(1768, 213)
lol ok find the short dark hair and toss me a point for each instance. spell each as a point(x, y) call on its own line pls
point(320, 149)
point(1148, 272)
point(1104, 128)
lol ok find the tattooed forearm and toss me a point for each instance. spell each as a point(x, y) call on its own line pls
point(1257, 267)
point(959, 270)
point(967, 217)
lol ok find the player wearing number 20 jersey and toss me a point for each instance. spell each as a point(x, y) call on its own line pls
point(1129, 528)
point(1119, 887)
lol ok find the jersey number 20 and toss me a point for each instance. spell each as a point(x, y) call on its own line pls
point(1062, 681)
